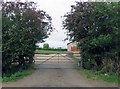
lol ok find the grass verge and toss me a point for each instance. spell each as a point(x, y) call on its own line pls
point(18, 75)
point(0, 79)
point(99, 76)
point(75, 59)
point(49, 51)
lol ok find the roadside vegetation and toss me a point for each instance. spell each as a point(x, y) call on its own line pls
point(94, 27)
point(95, 75)
point(23, 25)
point(18, 75)
point(50, 51)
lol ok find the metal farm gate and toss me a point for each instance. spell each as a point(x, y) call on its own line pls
point(54, 61)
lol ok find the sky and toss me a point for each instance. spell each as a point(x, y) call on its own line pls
point(56, 9)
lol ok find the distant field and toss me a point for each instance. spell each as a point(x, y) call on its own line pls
point(49, 51)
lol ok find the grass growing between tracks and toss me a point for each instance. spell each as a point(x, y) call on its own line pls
point(99, 76)
point(18, 75)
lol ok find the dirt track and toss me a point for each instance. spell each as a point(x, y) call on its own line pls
point(57, 74)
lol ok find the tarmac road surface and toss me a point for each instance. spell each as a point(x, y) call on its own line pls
point(59, 71)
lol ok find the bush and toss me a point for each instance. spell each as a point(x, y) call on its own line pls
point(23, 26)
point(94, 25)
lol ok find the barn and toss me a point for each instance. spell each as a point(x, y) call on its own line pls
point(72, 47)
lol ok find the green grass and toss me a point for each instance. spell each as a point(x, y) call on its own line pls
point(50, 51)
point(75, 59)
point(18, 75)
point(0, 79)
point(99, 76)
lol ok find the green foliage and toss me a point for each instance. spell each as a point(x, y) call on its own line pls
point(22, 27)
point(102, 40)
point(0, 78)
point(100, 76)
point(46, 46)
point(0, 31)
point(53, 49)
point(50, 51)
point(18, 75)
point(94, 25)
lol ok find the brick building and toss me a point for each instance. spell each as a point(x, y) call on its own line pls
point(72, 47)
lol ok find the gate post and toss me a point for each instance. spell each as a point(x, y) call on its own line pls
point(58, 58)
point(81, 63)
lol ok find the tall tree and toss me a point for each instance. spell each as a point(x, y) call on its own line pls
point(23, 26)
point(94, 25)
point(46, 46)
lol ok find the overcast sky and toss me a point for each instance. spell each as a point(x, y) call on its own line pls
point(56, 9)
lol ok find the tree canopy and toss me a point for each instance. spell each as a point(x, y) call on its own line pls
point(46, 46)
point(94, 25)
point(23, 26)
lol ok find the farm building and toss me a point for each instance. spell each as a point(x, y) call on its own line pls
point(72, 48)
